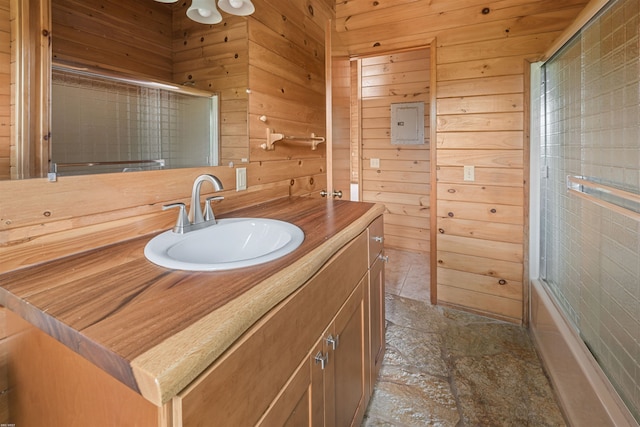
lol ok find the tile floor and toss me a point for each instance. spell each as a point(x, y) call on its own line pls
point(444, 367)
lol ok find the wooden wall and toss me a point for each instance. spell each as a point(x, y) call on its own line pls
point(5, 95)
point(132, 37)
point(481, 51)
point(216, 58)
point(402, 182)
point(288, 88)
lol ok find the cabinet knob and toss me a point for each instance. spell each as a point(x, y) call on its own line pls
point(322, 359)
point(333, 342)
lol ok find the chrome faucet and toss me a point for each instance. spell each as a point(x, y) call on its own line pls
point(196, 219)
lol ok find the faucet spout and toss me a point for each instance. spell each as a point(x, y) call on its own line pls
point(195, 210)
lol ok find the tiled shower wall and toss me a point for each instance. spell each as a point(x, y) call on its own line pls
point(95, 119)
point(590, 254)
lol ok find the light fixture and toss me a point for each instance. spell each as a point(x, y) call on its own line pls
point(166, 1)
point(204, 12)
point(237, 7)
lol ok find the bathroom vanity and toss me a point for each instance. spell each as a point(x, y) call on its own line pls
point(105, 337)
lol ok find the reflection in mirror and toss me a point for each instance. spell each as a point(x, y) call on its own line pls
point(106, 123)
point(144, 38)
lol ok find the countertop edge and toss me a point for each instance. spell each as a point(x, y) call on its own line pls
point(166, 369)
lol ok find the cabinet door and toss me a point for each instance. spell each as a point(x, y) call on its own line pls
point(294, 407)
point(349, 360)
point(377, 318)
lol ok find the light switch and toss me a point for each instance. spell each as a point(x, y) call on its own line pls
point(241, 179)
point(374, 163)
point(469, 173)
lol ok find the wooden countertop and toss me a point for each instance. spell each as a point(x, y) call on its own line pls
point(156, 329)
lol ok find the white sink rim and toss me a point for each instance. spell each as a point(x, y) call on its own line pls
point(188, 251)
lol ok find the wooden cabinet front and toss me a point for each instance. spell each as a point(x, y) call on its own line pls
point(246, 382)
point(347, 360)
point(377, 320)
point(376, 304)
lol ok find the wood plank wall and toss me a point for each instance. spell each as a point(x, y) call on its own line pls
point(288, 88)
point(132, 37)
point(5, 95)
point(402, 182)
point(481, 48)
point(216, 58)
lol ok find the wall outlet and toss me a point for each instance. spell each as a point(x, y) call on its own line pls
point(374, 163)
point(469, 173)
point(241, 179)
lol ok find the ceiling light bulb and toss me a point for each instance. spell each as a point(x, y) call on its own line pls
point(204, 12)
point(237, 7)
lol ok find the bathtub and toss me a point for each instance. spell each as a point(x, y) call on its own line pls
point(586, 396)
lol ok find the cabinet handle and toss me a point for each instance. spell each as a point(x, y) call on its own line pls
point(378, 239)
point(333, 341)
point(384, 258)
point(322, 359)
point(338, 194)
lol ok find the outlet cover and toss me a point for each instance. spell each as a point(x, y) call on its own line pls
point(469, 173)
point(374, 163)
point(241, 179)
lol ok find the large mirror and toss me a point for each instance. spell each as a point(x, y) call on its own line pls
point(144, 41)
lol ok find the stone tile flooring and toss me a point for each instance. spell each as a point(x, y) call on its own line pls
point(444, 367)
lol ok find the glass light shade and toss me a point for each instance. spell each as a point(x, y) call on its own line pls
point(237, 7)
point(167, 1)
point(204, 12)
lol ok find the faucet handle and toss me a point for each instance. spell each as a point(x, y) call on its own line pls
point(208, 210)
point(183, 219)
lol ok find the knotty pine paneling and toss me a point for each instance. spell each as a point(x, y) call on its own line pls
point(133, 37)
point(5, 96)
point(481, 53)
point(402, 182)
point(387, 26)
point(287, 77)
point(216, 58)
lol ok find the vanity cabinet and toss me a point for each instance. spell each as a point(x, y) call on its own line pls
point(274, 373)
point(342, 362)
point(309, 361)
point(330, 387)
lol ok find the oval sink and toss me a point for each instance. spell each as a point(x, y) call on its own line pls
point(228, 244)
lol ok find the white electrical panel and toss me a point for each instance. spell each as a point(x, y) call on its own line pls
point(407, 123)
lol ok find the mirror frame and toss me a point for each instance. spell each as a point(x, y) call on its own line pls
point(30, 88)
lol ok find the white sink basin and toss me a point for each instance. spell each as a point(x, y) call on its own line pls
point(228, 244)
